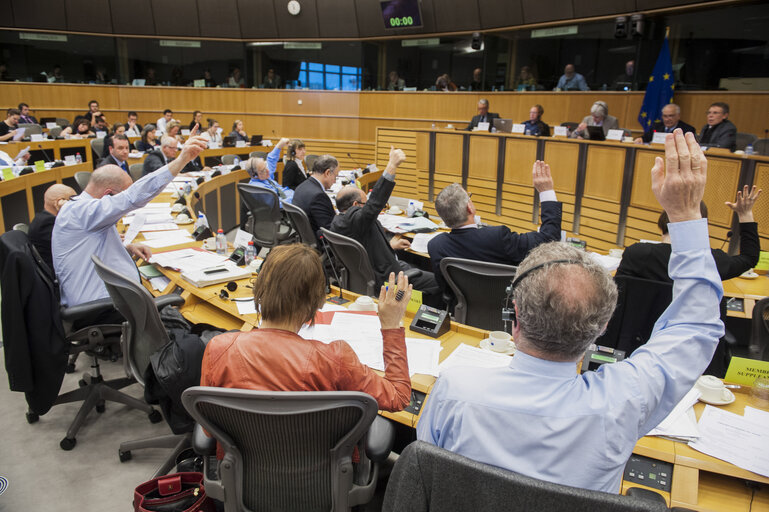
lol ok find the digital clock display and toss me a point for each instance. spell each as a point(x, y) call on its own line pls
point(401, 13)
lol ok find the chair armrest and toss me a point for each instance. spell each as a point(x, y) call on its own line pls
point(86, 310)
point(201, 443)
point(412, 272)
point(379, 439)
point(645, 494)
point(171, 299)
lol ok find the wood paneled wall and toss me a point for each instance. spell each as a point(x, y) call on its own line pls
point(355, 116)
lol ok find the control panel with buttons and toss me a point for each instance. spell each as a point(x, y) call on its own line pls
point(650, 472)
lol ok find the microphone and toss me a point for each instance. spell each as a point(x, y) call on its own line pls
point(728, 236)
point(356, 162)
point(331, 263)
point(40, 147)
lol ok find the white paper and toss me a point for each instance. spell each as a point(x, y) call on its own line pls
point(170, 226)
point(50, 126)
point(168, 241)
point(423, 356)
point(419, 244)
point(138, 222)
point(213, 145)
point(363, 333)
point(159, 283)
point(398, 224)
point(185, 132)
point(240, 143)
point(615, 134)
point(560, 131)
point(187, 259)
point(658, 138)
point(149, 218)
point(756, 415)
point(131, 133)
point(160, 235)
point(242, 238)
point(36, 137)
point(610, 263)
point(246, 307)
point(482, 127)
point(135, 154)
point(320, 332)
point(331, 307)
point(465, 355)
point(70, 160)
point(19, 134)
point(681, 423)
point(519, 128)
point(735, 439)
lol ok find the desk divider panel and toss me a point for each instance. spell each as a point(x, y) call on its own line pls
point(211, 209)
point(482, 175)
point(563, 158)
point(600, 207)
point(228, 206)
point(517, 190)
point(15, 209)
point(406, 181)
point(38, 195)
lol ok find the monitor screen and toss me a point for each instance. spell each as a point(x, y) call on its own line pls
point(401, 13)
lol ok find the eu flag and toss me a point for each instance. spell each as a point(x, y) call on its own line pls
point(659, 91)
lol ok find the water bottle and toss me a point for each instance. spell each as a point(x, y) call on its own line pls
point(235, 162)
point(250, 252)
point(221, 242)
point(749, 149)
point(78, 158)
point(411, 209)
point(201, 222)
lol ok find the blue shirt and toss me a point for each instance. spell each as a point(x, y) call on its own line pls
point(85, 226)
point(576, 82)
point(284, 193)
point(540, 418)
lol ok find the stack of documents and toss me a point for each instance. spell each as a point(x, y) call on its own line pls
point(398, 224)
point(185, 260)
point(159, 239)
point(227, 271)
point(681, 423)
point(419, 244)
point(465, 355)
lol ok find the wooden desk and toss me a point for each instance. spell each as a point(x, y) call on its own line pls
point(749, 290)
point(54, 149)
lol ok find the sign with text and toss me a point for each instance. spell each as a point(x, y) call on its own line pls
point(615, 134)
point(744, 371)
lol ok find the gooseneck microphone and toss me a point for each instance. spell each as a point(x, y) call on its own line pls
point(728, 236)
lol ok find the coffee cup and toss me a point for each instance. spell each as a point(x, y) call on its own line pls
point(394, 210)
point(176, 208)
point(712, 389)
point(499, 341)
point(363, 303)
point(210, 244)
point(182, 217)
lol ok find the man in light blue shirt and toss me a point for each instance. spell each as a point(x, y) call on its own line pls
point(571, 80)
point(86, 225)
point(537, 416)
point(262, 172)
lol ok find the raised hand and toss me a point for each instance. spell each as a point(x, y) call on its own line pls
point(678, 182)
point(392, 303)
point(541, 177)
point(743, 205)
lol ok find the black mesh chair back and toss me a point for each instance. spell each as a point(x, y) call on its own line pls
point(744, 139)
point(97, 148)
point(301, 224)
point(136, 171)
point(257, 154)
point(30, 129)
point(266, 215)
point(284, 450)
point(55, 131)
point(62, 122)
point(357, 274)
point(82, 178)
point(570, 125)
point(480, 290)
point(759, 334)
point(426, 478)
point(228, 159)
point(146, 333)
point(761, 147)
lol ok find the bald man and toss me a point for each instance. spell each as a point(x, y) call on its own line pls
point(41, 227)
point(86, 225)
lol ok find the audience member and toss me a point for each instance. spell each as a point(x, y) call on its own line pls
point(173, 129)
point(444, 83)
point(293, 172)
point(563, 300)
point(57, 77)
point(80, 129)
point(238, 132)
point(101, 77)
point(118, 148)
point(208, 78)
point(358, 219)
point(290, 289)
point(213, 133)
point(311, 195)
point(599, 116)
point(94, 115)
point(494, 244)
point(148, 141)
point(671, 119)
point(162, 124)
point(571, 80)
point(166, 153)
point(624, 82)
point(260, 173)
point(235, 79)
point(86, 225)
point(477, 83)
point(526, 81)
point(7, 161)
point(150, 77)
point(272, 80)
point(534, 124)
point(9, 126)
point(25, 116)
point(197, 119)
point(41, 227)
point(117, 129)
point(484, 116)
point(132, 124)
point(719, 132)
point(395, 82)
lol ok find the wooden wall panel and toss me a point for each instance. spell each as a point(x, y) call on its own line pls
point(483, 158)
point(134, 17)
point(176, 18)
point(723, 177)
point(563, 158)
point(219, 18)
point(88, 15)
point(603, 179)
point(39, 14)
point(448, 155)
point(519, 159)
point(761, 180)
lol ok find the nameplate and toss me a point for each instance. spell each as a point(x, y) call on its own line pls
point(240, 143)
point(131, 133)
point(186, 132)
point(101, 134)
point(416, 301)
point(744, 371)
point(482, 127)
point(213, 145)
point(560, 131)
point(8, 173)
point(519, 128)
point(36, 137)
point(658, 138)
point(40, 165)
point(242, 238)
point(615, 135)
point(51, 126)
point(763, 261)
point(70, 160)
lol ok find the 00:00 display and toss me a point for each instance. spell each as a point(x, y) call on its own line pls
point(401, 22)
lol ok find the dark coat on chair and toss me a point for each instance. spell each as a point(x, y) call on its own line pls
point(476, 119)
point(723, 135)
point(40, 230)
point(311, 198)
point(660, 127)
point(495, 244)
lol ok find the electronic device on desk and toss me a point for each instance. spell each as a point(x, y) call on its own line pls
point(228, 141)
point(735, 304)
point(238, 256)
point(256, 140)
point(653, 473)
point(595, 133)
point(576, 242)
point(416, 403)
point(431, 321)
point(596, 355)
point(201, 233)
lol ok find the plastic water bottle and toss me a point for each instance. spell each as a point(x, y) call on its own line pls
point(411, 209)
point(235, 162)
point(78, 158)
point(221, 242)
point(201, 222)
point(250, 252)
point(749, 149)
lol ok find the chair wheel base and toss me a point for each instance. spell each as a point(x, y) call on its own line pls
point(155, 416)
point(100, 408)
point(82, 383)
point(70, 368)
point(68, 443)
point(124, 456)
point(32, 417)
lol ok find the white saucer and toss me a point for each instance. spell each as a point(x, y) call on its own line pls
point(485, 345)
point(394, 211)
point(177, 208)
point(188, 221)
point(749, 275)
point(720, 402)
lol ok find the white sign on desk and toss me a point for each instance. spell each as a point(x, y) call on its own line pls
point(51, 126)
point(240, 143)
point(519, 128)
point(560, 131)
point(213, 145)
point(658, 138)
point(615, 135)
point(36, 137)
point(101, 134)
point(482, 127)
point(185, 132)
point(70, 160)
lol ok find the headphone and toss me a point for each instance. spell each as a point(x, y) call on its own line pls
point(508, 309)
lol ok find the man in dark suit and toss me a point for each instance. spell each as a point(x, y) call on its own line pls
point(25, 115)
point(167, 152)
point(719, 132)
point(484, 116)
point(311, 196)
point(41, 227)
point(118, 152)
point(495, 244)
point(671, 119)
point(358, 219)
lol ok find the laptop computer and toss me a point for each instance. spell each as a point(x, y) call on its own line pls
point(228, 141)
point(256, 140)
point(503, 125)
point(595, 133)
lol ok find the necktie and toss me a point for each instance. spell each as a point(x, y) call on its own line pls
point(124, 167)
point(277, 188)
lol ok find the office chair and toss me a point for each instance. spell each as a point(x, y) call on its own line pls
point(266, 221)
point(570, 125)
point(228, 159)
point(301, 224)
point(355, 272)
point(30, 129)
point(759, 333)
point(82, 178)
point(287, 450)
point(46, 333)
point(55, 131)
point(143, 334)
point(136, 171)
point(21, 227)
point(480, 290)
point(744, 139)
point(427, 478)
point(761, 147)
point(257, 154)
point(97, 148)
point(62, 122)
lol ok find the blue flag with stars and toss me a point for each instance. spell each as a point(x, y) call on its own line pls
point(659, 91)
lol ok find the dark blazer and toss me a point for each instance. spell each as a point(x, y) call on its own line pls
point(360, 223)
point(489, 117)
point(40, 230)
point(722, 135)
point(650, 261)
point(311, 198)
point(155, 160)
point(660, 127)
point(292, 175)
point(143, 146)
point(495, 244)
point(538, 128)
point(110, 160)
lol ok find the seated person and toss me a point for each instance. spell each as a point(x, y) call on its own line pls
point(197, 119)
point(358, 219)
point(148, 141)
point(7, 160)
point(395, 82)
point(9, 126)
point(118, 152)
point(80, 129)
point(117, 129)
point(213, 133)
point(290, 289)
point(262, 172)
point(599, 116)
point(293, 172)
point(238, 132)
point(173, 129)
point(494, 244)
point(671, 119)
point(166, 153)
point(719, 132)
point(41, 227)
point(484, 116)
point(571, 80)
point(311, 195)
point(563, 300)
point(162, 122)
point(534, 124)
point(26, 116)
point(132, 123)
point(526, 81)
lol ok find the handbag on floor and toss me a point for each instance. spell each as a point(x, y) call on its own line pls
point(178, 492)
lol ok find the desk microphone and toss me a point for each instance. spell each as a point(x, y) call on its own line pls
point(331, 263)
point(728, 236)
point(361, 167)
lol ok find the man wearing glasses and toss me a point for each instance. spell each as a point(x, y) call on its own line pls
point(169, 146)
point(719, 132)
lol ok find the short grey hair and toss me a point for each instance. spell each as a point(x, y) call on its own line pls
point(676, 107)
point(484, 101)
point(451, 205)
point(563, 307)
point(324, 163)
point(167, 141)
point(600, 108)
